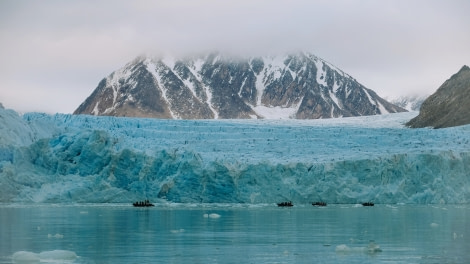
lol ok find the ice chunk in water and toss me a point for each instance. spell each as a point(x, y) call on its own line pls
point(25, 257)
point(55, 236)
point(176, 231)
point(58, 255)
point(372, 248)
point(213, 215)
point(54, 255)
point(342, 248)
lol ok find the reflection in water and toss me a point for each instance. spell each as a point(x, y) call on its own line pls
point(234, 234)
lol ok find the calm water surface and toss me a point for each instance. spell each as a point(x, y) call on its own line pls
point(235, 234)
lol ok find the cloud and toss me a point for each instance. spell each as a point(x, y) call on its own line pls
point(65, 47)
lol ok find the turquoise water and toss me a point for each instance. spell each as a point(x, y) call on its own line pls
point(202, 233)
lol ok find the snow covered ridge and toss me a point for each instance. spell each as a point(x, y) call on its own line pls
point(109, 159)
point(214, 86)
point(410, 103)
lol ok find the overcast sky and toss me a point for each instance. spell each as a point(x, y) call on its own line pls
point(54, 53)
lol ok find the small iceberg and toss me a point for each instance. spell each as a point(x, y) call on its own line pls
point(58, 236)
point(25, 257)
point(46, 256)
point(176, 231)
point(372, 248)
point(58, 255)
point(213, 215)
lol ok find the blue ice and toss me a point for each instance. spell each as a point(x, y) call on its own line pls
point(82, 159)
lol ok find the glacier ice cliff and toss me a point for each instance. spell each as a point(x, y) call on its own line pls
point(64, 158)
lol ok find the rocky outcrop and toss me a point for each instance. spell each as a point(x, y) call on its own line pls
point(300, 86)
point(449, 106)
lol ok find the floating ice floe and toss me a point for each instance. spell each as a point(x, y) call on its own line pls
point(213, 215)
point(176, 231)
point(59, 256)
point(55, 236)
point(372, 248)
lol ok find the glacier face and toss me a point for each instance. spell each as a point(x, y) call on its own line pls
point(66, 158)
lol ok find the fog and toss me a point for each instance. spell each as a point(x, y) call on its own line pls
point(54, 53)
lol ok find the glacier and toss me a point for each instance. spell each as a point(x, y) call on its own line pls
point(65, 158)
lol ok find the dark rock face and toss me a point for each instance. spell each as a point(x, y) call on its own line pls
point(449, 106)
point(213, 86)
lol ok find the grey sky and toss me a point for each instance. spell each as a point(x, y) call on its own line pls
point(54, 53)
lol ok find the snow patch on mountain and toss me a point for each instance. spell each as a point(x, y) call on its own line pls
point(152, 68)
point(321, 74)
point(276, 112)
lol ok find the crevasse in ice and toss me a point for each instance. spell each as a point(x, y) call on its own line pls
point(66, 158)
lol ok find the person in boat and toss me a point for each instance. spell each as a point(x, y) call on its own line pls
point(285, 204)
point(143, 203)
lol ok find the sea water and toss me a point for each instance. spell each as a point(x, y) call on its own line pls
point(234, 233)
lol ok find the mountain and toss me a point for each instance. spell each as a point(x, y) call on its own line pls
point(215, 86)
point(449, 106)
point(410, 102)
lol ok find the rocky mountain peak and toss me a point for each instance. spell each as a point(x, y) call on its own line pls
point(449, 105)
point(215, 86)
